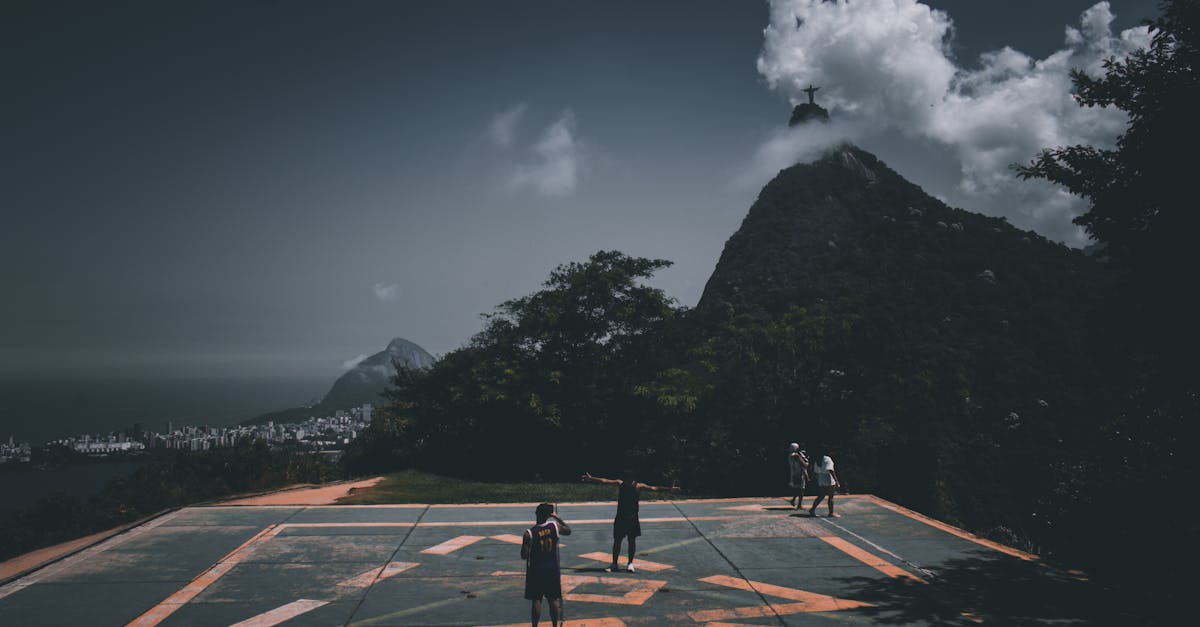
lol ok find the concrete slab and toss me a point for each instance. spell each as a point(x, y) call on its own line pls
point(733, 561)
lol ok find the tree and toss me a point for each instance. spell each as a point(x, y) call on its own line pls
point(553, 372)
point(1143, 209)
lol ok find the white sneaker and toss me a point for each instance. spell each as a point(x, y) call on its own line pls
point(629, 567)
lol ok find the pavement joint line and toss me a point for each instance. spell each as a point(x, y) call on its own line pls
point(735, 568)
point(391, 558)
point(927, 573)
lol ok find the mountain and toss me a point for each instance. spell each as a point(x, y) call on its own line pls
point(853, 308)
point(364, 383)
point(847, 224)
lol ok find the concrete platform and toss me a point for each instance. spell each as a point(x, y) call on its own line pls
point(702, 562)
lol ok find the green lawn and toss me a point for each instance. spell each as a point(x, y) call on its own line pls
point(411, 486)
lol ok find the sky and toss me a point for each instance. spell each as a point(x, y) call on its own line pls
point(272, 189)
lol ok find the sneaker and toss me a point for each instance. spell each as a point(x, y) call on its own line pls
point(629, 567)
point(612, 569)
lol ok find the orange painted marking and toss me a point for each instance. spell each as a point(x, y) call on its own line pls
point(808, 601)
point(383, 572)
point(395, 568)
point(507, 537)
point(870, 559)
point(586, 622)
point(452, 545)
point(640, 590)
point(281, 614)
point(954, 531)
point(171, 604)
point(640, 564)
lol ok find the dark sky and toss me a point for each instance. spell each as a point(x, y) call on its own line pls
point(273, 188)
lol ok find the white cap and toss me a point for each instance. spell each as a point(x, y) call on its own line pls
point(794, 447)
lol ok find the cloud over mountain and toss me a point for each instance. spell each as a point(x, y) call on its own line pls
point(887, 64)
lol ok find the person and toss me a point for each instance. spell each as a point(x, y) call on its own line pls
point(626, 523)
point(539, 549)
point(797, 473)
point(827, 484)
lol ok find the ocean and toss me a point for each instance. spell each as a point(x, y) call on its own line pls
point(39, 410)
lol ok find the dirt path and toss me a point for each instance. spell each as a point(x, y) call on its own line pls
point(324, 495)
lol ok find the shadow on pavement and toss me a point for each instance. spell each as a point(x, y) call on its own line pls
point(990, 591)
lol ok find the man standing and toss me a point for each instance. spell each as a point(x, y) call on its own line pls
point(539, 549)
point(626, 523)
point(797, 474)
point(827, 483)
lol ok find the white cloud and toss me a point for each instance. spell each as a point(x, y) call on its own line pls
point(354, 361)
point(885, 62)
point(386, 292)
point(503, 129)
point(786, 147)
point(553, 169)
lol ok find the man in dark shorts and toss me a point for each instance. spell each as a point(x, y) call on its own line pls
point(539, 549)
point(626, 523)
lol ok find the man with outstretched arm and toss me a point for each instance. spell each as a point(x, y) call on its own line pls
point(626, 523)
point(539, 549)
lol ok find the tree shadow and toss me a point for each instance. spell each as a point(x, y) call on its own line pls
point(998, 590)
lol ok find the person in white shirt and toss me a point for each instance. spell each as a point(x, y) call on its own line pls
point(827, 483)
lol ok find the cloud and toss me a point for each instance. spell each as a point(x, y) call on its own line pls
point(503, 129)
point(783, 148)
point(887, 63)
point(386, 292)
point(553, 169)
point(354, 361)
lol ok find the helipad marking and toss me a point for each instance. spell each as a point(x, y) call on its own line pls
point(808, 601)
point(639, 564)
point(281, 614)
point(452, 545)
point(383, 572)
point(171, 604)
point(954, 531)
point(507, 537)
point(582, 622)
point(640, 589)
point(870, 559)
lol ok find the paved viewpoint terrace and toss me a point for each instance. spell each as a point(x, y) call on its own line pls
point(702, 562)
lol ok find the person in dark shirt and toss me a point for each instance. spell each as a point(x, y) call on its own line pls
point(626, 523)
point(539, 549)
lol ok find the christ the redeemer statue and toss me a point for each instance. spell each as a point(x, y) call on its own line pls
point(810, 91)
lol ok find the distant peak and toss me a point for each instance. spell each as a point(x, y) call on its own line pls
point(399, 343)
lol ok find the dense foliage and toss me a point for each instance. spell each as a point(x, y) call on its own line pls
point(1143, 211)
point(187, 478)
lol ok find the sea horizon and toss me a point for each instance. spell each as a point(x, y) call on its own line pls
point(38, 409)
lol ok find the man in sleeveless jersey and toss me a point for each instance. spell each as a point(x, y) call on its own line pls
point(539, 549)
point(626, 523)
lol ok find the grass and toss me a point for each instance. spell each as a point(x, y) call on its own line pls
point(411, 486)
